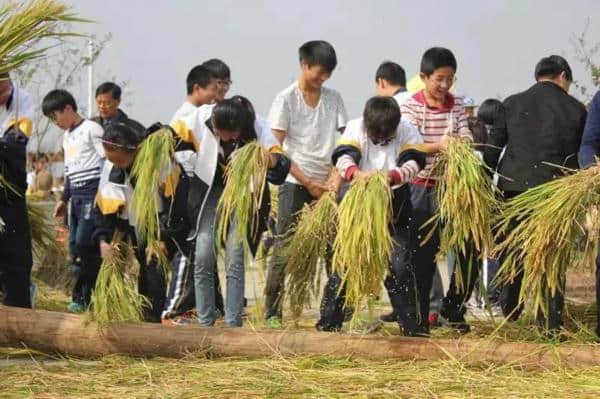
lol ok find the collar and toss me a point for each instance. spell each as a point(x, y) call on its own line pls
point(76, 126)
point(447, 106)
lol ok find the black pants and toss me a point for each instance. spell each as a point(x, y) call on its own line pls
point(15, 257)
point(509, 292)
point(152, 284)
point(424, 205)
point(400, 284)
point(292, 198)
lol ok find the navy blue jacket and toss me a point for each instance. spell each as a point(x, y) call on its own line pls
point(590, 143)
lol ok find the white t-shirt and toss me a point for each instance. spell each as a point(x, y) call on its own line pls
point(310, 133)
point(83, 153)
point(183, 111)
point(381, 157)
point(402, 97)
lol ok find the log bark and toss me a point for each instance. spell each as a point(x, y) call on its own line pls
point(73, 335)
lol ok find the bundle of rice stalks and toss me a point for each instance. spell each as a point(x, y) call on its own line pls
point(544, 234)
point(42, 229)
point(363, 246)
point(23, 25)
point(152, 164)
point(115, 297)
point(311, 237)
point(467, 203)
point(245, 176)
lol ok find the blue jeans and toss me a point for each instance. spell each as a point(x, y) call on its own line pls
point(206, 266)
point(85, 254)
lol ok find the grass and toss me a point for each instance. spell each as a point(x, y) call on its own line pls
point(24, 24)
point(306, 250)
point(467, 203)
point(548, 230)
point(363, 246)
point(115, 297)
point(245, 179)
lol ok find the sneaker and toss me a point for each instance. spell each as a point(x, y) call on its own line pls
point(183, 319)
point(389, 318)
point(433, 320)
point(75, 307)
point(323, 328)
point(274, 323)
point(457, 322)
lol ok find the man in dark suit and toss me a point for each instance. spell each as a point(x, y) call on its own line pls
point(540, 126)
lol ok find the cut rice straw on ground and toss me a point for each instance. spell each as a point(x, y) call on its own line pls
point(544, 232)
point(24, 24)
point(363, 245)
point(152, 166)
point(467, 203)
point(306, 250)
point(115, 297)
point(245, 179)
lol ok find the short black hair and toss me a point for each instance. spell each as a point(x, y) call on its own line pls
point(109, 87)
point(199, 75)
point(392, 73)
point(57, 100)
point(125, 135)
point(489, 110)
point(381, 117)
point(318, 52)
point(219, 69)
point(551, 67)
point(437, 57)
point(235, 114)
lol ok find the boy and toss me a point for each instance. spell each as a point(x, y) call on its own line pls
point(307, 118)
point(84, 155)
point(390, 81)
point(202, 88)
point(16, 114)
point(222, 74)
point(438, 115)
point(380, 141)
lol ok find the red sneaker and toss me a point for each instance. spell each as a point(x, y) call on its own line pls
point(433, 320)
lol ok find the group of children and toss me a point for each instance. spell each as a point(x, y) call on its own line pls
point(313, 148)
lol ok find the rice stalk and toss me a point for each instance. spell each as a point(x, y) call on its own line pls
point(308, 245)
point(23, 25)
point(467, 204)
point(543, 232)
point(41, 226)
point(152, 162)
point(115, 297)
point(245, 179)
point(363, 246)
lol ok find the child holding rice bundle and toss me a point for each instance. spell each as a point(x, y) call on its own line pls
point(380, 141)
point(438, 115)
point(114, 201)
point(222, 134)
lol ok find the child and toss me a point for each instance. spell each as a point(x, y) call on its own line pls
point(121, 141)
point(16, 114)
point(438, 115)
point(307, 118)
point(390, 81)
point(82, 144)
point(227, 128)
point(222, 74)
point(380, 141)
point(202, 89)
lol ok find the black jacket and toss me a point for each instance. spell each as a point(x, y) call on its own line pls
point(541, 125)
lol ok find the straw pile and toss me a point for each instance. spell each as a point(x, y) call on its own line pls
point(544, 235)
point(115, 297)
point(363, 246)
point(42, 229)
point(311, 237)
point(467, 202)
point(245, 179)
point(23, 25)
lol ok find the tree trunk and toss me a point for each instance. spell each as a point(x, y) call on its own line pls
point(73, 335)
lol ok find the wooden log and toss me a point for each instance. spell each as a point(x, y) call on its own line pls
point(72, 335)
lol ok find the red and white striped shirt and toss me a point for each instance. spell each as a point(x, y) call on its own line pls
point(434, 123)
